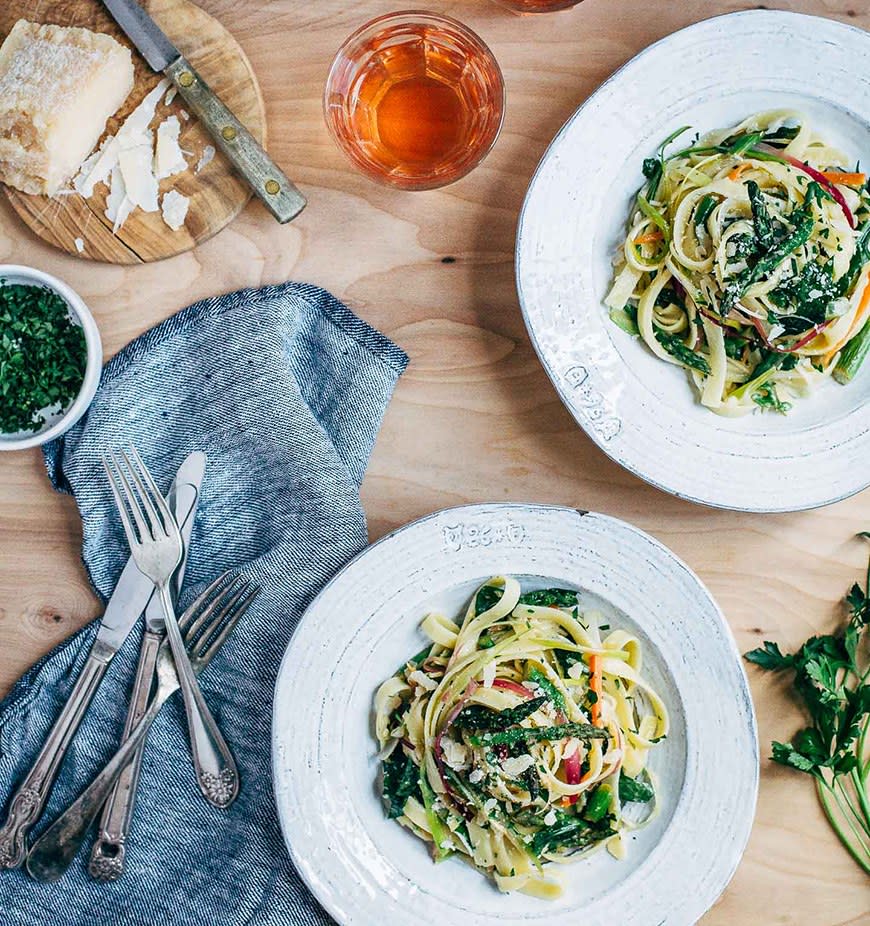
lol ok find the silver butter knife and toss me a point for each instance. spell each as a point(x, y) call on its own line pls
point(265, 178)
point(131, 594)
point(109, 850)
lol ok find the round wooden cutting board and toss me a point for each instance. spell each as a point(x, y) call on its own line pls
point(216, 193)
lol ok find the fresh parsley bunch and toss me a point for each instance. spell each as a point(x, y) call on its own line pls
point(831, 676)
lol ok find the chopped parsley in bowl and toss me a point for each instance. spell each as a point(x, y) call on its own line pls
point(50, 357)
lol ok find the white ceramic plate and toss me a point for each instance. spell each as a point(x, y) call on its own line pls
point(366, 869)
point(642, 412)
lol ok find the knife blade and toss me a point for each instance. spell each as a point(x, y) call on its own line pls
point(131, 594)
point(265, 178)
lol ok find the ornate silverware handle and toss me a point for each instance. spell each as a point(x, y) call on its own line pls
point(213, 761)
point(29, 800)
point(107, 856)
point(266, 179)
point(57, 846)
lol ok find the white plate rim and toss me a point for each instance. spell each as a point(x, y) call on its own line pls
point(563, 388)
point(474, 511)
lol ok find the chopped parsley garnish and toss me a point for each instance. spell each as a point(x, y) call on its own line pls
point(806, 298)
point(476, 717)
point(43, 356)
point(401, 780)
point(766, 397)
point(550, 598)
point(635, 790)
point(488, 597)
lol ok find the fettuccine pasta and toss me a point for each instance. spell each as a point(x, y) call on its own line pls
point(520, 736)
point(747, 263)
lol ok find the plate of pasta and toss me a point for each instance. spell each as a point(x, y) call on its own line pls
point(517, 713)
point(704, 311)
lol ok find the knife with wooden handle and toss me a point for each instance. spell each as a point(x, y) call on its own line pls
point(265, 178)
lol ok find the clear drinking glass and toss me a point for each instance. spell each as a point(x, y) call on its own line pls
point(414, 99)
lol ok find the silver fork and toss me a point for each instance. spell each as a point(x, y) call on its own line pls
point(156, 547)
point(206, 625)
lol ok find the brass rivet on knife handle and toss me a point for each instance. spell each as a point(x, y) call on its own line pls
point(266, 179)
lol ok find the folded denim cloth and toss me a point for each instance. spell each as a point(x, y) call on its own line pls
point(284, 389)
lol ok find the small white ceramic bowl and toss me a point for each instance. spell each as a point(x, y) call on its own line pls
point(57, 423)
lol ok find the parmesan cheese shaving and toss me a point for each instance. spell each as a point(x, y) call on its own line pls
point(140, 183)
point(205, 158)
point(168, 157)
point(174, 209)
point(118, 206)
point(514, 767)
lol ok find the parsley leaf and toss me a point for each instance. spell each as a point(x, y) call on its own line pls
point(806, 298)
point(551, 598)
point(487, 597)
point(476, 717)
point(767, 397)
point(635, 789)
point(401, 780)
point(769, 657)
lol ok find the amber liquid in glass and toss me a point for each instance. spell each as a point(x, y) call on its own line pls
point(421, 104)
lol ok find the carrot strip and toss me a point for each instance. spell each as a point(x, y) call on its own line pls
point(857, 324)
point(738, 170)
point(596, 684)
point(649, 238)
point(844, 178)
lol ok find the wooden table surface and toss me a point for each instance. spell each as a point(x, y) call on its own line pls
point(474, 418)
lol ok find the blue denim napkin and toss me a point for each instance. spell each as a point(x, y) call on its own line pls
point(284, 389)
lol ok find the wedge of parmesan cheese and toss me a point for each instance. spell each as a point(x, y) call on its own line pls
point(58, 86)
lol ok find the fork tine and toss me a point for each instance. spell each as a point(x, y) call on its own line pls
point(155, 522)
point(205, 656)
point(222, 601)
point(229, 599)
point(145, 532)
point(169, 523)
point(110, 465)
point(193, 609)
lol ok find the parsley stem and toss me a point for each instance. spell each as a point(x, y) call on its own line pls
point(824, 791)
point(859, 783)
point(846, 798)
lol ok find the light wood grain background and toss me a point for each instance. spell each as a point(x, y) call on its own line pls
point(474, 418)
